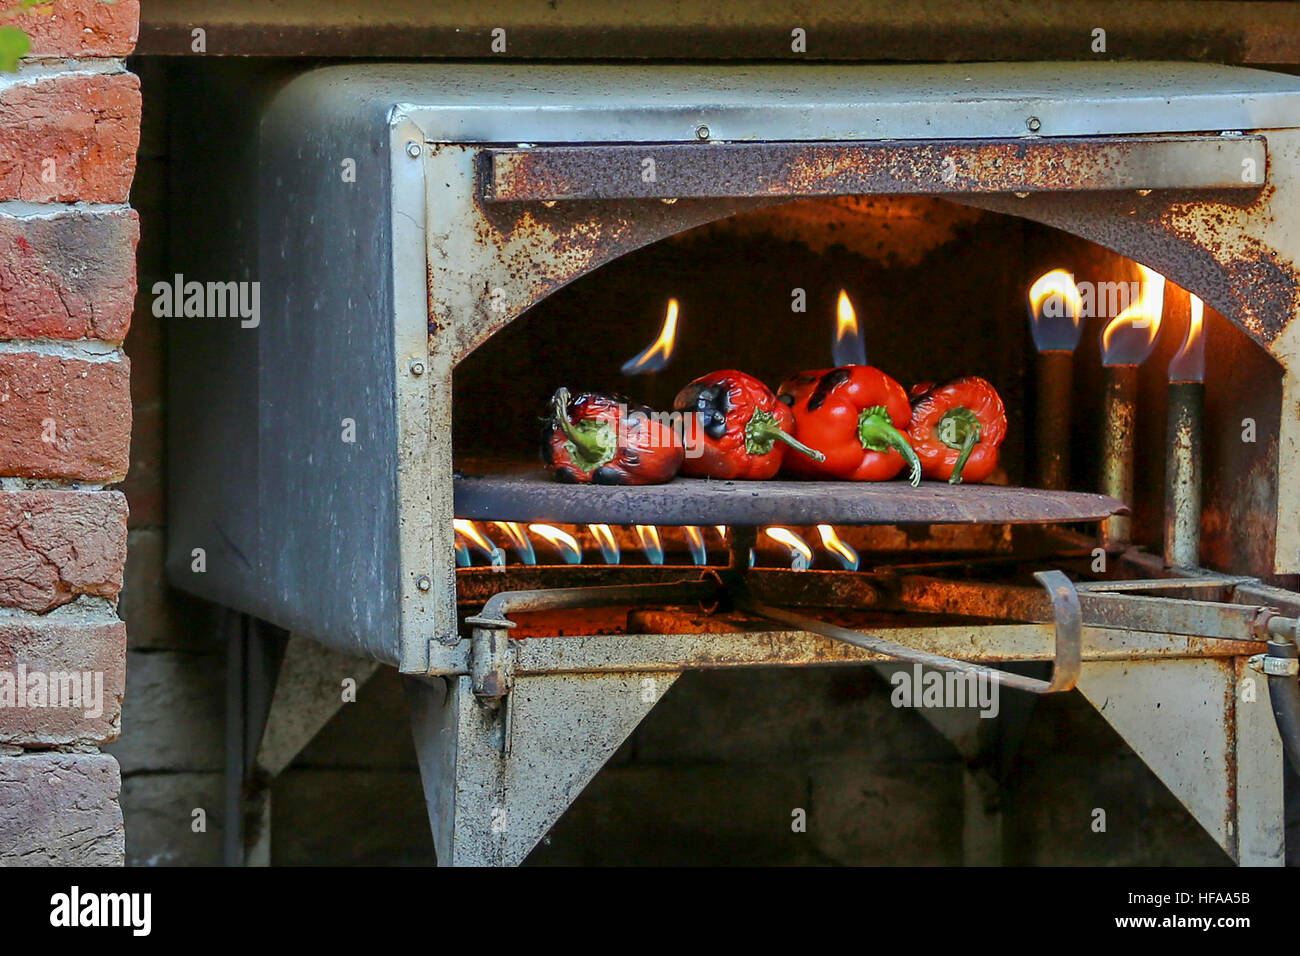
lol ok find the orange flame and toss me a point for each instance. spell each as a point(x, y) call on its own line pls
point(722, 531)
point(1189, 364)
point(800, 553)
point(695, 541)
point(608, 543)
point(1129, 337)
point(651, 543)
point(562, 541)
point(469, 530)
point(846, 319)
point(518, 540)
point(1059, 286)
point(847, 347)
point(656, 356)
point(831, 541)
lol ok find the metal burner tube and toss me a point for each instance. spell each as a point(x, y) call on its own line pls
point(1119, 418)
point(1183, 480)
point(1052, 425)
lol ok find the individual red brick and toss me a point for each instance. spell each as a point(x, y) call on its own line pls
point(51, 651)
point(56, 545)
point(85, 407)
point(67, 275)
point(79, 130)
point(76, 27)
point(60, 809)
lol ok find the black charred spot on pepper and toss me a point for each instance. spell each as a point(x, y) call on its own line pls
point(711, 407)
point(786, 398)
point(607, 475)
point(566, 475)
point(828, 383)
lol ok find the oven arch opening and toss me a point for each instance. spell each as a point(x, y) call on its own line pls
point(940, 290)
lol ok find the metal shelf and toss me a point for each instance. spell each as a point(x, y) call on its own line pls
point(534, 495)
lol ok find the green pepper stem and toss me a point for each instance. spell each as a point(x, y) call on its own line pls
point(959, 428)
point(588, 444)
point(967, 446)
point(762, 430)
point(877, 433)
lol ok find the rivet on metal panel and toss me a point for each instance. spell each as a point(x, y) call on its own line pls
point(1034, 124)
point(416, 367)
point(423, 582)
point(701, 132)
point(413, 150)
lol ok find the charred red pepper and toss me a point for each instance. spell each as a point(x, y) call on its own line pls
point(599, 439)
point(956, 429)
point(739, 430)
point(856, 415)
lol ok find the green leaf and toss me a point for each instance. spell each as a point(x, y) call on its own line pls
point(13, 47)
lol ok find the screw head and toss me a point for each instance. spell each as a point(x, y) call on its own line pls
point(701, 132)
point(1034, 124)
point(413, 150)
point(423, 582)
point(416, 367)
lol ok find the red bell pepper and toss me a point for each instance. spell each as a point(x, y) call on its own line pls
point(599, 439)
point(956, 429)
point(739, 429)
point(855, 414)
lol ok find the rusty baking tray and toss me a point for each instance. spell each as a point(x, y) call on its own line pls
point(534, 495)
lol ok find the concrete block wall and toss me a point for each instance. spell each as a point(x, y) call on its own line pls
point(69, 130)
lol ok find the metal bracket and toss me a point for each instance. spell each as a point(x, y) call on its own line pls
point(492, 652)
point(1068, 659)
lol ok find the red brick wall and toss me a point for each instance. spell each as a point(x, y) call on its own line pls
point(69, 131)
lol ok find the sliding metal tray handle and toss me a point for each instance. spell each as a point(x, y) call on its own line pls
point(1066, 661)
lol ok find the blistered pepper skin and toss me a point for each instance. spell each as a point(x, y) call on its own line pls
point(599, 439)
point(735, 428)
point(957, 428)
point(855, 415)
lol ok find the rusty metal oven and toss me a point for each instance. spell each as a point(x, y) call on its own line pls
point(406, 215)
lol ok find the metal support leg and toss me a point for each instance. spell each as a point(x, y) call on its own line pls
point(1205, 728)
point(498, 774)
point(251, 663)
point(278, 697)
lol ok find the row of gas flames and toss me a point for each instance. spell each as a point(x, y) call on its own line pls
point(475, 547)
point(1057, 308)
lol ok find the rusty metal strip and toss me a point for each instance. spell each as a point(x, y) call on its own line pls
point(670, 651)
point(1122, 611)
point(874, 30)
point(1208, 581)
point(699, 170)
point(900, 652)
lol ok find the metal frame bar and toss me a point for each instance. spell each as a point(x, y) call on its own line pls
point(732, 170)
